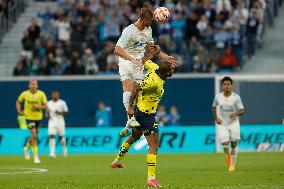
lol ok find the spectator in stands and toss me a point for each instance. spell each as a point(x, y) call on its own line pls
point(35, 67)
point(77, 25)
point(241, 13)
point(103, 115)
point(194, 46)
point(89, 60)
point(252, 26)
point(162, 117)
point(209, 11)
point(174, 117)
point(221, 38)
point(34, 31)
point(112, 63)
point(236, 41)
point(202, 25)
point(27, 45)
point(228, 61)
point(21, 68)
point(64, 28)
point(46, 17)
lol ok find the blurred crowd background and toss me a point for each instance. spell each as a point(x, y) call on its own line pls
point(78, 36)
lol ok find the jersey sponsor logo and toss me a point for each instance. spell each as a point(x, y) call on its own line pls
point(139, 43)
point(226, 110)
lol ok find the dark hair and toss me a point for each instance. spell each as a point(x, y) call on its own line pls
point(227, 78)
point(146, 13)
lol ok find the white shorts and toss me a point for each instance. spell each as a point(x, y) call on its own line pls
point(56, 127)
point(229, 133)
point(130, 71)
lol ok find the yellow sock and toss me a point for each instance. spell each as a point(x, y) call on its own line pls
point(28, 145)
point(123, 150)
point(34, 149)
point(151, 163)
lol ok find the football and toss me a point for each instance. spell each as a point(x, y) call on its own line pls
point(162, 14)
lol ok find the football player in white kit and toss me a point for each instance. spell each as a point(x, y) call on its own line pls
point(131, 48)
point(227, 107)
point(56, 109)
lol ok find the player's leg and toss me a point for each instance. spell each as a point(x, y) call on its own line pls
point(234, 155)
point(224, 137)
point(52, 146)
point(62, 140)
point(27, 149)
point(126, 145)
point(34, 132)
point(152, 140)
point(63, 143)
point(235, 137)
point(52, 132)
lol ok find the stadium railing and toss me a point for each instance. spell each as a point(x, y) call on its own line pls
point(9, 17)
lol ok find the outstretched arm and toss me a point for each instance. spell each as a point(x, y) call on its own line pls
point(133, 97)
point(168, 58)
point(121, 52)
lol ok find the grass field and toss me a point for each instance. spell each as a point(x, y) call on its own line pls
point(194, 171)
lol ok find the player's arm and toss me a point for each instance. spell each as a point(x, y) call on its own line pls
point(214, 112)
point(133, 97)
point(240, 107)
point(19, 108)
point(238, 113)
point(19, 101)
point(119, 51)
point(151, 51)
point(168, 58)
point(43, 104)
point(61, 113)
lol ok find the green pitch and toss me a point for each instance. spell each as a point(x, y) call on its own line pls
point(194, 171)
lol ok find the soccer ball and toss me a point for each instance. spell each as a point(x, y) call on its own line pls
point(162, 14)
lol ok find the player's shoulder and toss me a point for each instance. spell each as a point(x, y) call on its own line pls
point(40, 92)
point(129, 28)
point(25, 92)
point(219, 95)
point(235, 95)
point(61, 101)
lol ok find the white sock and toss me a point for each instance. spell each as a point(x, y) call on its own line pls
point(126, 98)
point(63, 143)
point(52, 145)
point(226, 149)
point(234, 156)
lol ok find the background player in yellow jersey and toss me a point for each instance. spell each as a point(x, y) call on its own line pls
point(148, 95)
point(34, 103)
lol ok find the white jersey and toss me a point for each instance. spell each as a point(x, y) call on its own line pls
point(227, 105)
point(53, 106)
point(133, 41)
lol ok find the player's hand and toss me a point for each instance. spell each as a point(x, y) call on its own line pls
point(154, 49)
point(46, 115)
point(172, 60)
point(130, 111)
point(218, 121)
point(58, 113)
point(36, 106)
point(233, 115)
point(134, 61)
point(21, 113)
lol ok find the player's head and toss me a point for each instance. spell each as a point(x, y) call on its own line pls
point(55, 95)
point(146, 16)
point(166, 69)
point(227, 83)
point(101, 105)
point(33, 85)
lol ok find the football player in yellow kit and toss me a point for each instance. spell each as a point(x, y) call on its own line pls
point(147, 96)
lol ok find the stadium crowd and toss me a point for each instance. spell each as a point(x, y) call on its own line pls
point(205, 36)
